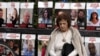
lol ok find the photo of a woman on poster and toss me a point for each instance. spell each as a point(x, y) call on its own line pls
point(12, 14)
point(45, 14)
point(93, 16)
point(45, 17)
point(94, 19)
point(14, 17)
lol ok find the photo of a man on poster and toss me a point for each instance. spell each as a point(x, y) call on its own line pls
point(92, 45)
point(26, 18)
point(28, 45)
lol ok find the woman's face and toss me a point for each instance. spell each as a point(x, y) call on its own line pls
point(63, 25)
point(45, 14)
point(94, 15)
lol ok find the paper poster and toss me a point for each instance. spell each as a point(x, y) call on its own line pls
point(92, 45)
point(78, 15)
point(28, 45)
point(59, 7)
point(12, 14)
point(93, 16)
point(13, 41)
point(26, 15)
point(45, 14)
point(42, 44)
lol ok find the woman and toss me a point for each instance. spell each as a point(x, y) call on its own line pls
point(14, 16)
point(46, 17)
point(65, 34)
point(94, 21)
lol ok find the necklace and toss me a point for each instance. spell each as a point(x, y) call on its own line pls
point(64, 36)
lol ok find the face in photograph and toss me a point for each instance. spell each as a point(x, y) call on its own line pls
point(93, 18)
point(13, 15)
point(92, 49)
point(26, 16)
point(28, 47)
point(45, 16)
